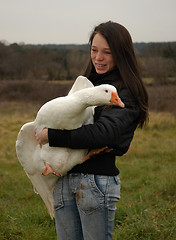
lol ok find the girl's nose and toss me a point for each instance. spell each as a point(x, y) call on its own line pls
point(99, 56)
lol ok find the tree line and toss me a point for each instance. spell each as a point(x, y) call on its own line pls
point(65, 62)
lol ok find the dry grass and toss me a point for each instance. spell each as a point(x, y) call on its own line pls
point(32, 91)
point(161, 97)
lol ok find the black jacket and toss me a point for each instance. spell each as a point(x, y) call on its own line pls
point(113, 127)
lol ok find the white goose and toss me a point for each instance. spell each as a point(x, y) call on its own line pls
point(69, 112)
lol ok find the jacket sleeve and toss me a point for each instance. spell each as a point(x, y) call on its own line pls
point(114, 128)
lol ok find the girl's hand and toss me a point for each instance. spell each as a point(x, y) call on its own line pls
point(42, 137)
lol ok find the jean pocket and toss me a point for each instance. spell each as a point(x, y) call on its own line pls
point(58, 194)
point(101, 183)
point(89, 198)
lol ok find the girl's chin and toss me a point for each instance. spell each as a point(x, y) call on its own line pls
point(101, 71)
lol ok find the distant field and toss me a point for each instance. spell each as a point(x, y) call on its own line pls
point(147, 209)
point(161, 97)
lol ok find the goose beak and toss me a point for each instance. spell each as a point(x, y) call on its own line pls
point(115, 100)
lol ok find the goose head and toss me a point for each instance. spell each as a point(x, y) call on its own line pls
point(104, 94)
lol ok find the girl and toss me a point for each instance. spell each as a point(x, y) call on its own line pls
point(85, 199)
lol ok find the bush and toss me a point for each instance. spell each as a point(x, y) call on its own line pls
point(32, 91)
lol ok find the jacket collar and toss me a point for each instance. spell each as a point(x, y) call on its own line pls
point(111, 77)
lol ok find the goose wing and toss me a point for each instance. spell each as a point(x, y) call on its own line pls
point(25, 148)
point(80, 83)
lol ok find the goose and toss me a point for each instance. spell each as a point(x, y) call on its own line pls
point(68, 112)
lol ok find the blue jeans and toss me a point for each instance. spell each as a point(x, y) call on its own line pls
point(85, 206)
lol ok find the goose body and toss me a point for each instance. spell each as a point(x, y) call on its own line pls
point(69, 112)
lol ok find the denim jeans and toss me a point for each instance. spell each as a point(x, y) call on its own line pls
point(85, 206)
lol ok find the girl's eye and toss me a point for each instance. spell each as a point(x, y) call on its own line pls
point(108, 52)
point(93, 50)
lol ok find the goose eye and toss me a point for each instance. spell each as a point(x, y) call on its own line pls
point(106, 91)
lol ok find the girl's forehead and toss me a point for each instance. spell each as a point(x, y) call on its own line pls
point(99, 41)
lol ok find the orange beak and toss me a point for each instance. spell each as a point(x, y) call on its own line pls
point(115, 100)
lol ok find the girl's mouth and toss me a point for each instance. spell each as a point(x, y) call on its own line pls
point(100, 66)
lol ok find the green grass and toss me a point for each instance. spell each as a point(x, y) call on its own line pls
point(148, 176)
point(147, 209)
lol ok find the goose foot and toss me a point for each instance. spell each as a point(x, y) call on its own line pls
point(48, 170)
point(94, 152)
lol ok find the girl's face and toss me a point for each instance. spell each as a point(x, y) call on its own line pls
point(101, 55)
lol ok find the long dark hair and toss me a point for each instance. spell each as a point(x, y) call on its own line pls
point(121, 45)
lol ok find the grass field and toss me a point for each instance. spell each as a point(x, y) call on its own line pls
point(147, 209)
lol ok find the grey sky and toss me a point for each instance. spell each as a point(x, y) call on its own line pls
point(71, 21)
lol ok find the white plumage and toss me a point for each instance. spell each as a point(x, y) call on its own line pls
point(69, 112)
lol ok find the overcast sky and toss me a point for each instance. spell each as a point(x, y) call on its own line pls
point(71, 21)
